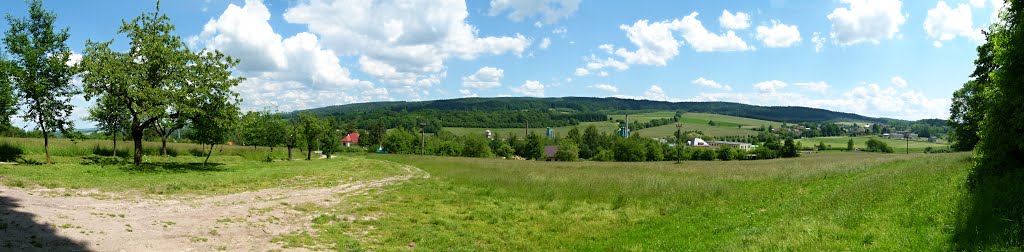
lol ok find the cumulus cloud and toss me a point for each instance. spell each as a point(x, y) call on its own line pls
point(485, 78)
point(290, 73)
point(819, 86)
point(581, 72)
point(769, 86)
point(866, 21)
point(602, 74)
point(595, 63)
point(944, 23)
point(403, 44)
point(711, 84)
point(606, 87)
point(656, 42)
point(467, 93)
point(656, 93)
point(899, 82)
point(738, 21)
point(819, 42)
point(549, 11)
point(530, 88)
point(545, 43)
point(864, 99)
point(778, 35)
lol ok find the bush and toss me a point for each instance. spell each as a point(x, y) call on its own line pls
point(445, 148)
point(567, 151)
point(477, 146)
point(630, 150)
point(878, 146)
point(726, 153)
point(401, 141)
point(604, 155)
point(504, 150)
point(655, 152)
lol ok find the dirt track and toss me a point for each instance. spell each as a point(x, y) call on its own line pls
point(41, 219)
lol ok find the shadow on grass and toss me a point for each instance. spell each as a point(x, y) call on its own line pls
point(10, 152)
point(992, 216)
point(19, 232)
point(174, 167)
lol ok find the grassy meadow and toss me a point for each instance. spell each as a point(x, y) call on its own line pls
point(898, 146)
point(822, 201)
point(669, 129)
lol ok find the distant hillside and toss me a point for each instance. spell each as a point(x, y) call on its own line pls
point(588, 105)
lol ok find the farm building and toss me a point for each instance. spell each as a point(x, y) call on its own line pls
point(697, 142)
point(739, 145)
point(350, 139)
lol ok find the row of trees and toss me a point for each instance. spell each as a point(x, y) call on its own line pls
point(157, 84)
point(589, 144)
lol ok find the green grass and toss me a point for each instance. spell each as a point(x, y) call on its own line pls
point(668, 130)
point(608, 127)
point(831, 201)
point(898, 146)
point(644, 117)
point(234, 169)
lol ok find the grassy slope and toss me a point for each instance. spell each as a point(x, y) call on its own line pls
point(833, 201)
point(234, 169)
point(668, 130)
point(701, 118)
point(609, 127)
point(898, 146)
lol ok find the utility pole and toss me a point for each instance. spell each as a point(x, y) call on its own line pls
point(423, 138)
point(908, 142)
point(679, 140)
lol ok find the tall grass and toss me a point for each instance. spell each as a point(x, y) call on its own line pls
point(835, 201)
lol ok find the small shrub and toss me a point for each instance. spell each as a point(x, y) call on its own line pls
point(103, 160)
point(10, 152)
point(603, 155)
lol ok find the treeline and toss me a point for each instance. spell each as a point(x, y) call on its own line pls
point(436, 119)
point(590, 144)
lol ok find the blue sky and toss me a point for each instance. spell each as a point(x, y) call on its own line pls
point(886, 58)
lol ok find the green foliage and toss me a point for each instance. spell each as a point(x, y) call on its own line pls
point(790, 149)
point(849, 145)
point(312, 129)
point(330, 142)
point(1001, 144)
point(630, 150)
point(655, 151)
point(477, 146)
point(401, 141)
point(604, 155)
point(567, 151)
point(534, 147)
point(445, 148)
point(39, 72)
point(821, 146)
point(875, 145)
point(504, 149)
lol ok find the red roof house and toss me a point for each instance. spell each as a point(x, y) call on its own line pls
point(351, 139)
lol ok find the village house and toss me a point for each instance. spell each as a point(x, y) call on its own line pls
point(350, 139)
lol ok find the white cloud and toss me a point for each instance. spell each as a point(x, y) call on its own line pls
point(738, 21)
point(656, 43)
point(819, 42)
point(937, 44)
point(865, 99)
point(978, 3)
point(899, 82)
point(656, 93)
point(607, 48)
point(711, 84)
point(550, 11)
point(292, 73)
point(559, 31)
point(606, 88)
point(582, 72)
point(73, 59)
point(594, 63)
point(402, 43)
point(602, 74)
point(485, 78)
point(778, 35)
point(866, 21)
point(944, 23)
point(545, 43)
point(819, 86)
point(530, 88)
point(467, 93)
point(769, 86)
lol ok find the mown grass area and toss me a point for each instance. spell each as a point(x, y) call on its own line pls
point(670, 129)
point(701, 118)
point(898, 146)
point(233, 169)
point(609, 127)
point(820, 202)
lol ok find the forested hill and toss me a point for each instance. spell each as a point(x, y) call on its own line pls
point(512, 111)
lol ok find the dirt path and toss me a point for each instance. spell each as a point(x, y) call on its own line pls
point(36, 219)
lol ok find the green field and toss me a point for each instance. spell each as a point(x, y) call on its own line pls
point(668, 130)
point(608, 127)
point(701, 118)
point(821, 201)
point(898, 146)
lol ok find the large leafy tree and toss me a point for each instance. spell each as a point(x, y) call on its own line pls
point(312, 129)
point(159, 78)
point(968, 107)
point(8, 97)
point(40, 71)
point(1002, 129)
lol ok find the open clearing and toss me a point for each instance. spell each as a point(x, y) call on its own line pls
point(824, 201)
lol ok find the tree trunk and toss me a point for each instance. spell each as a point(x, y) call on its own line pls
point(289, 153)
point(46, 145)
point(137, 138)
point(163, 145)
point(208, 155)
point(309, 153)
